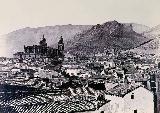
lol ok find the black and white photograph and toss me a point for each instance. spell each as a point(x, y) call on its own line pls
point(79, 56)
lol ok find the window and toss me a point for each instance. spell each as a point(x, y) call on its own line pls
point(135, 111)
point(132, 96)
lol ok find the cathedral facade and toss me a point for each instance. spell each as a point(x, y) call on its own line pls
point(42, 51)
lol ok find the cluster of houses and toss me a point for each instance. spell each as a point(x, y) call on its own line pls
point(121, 74)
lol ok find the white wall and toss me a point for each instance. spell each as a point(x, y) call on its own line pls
point(142, 102)
point(116, 105)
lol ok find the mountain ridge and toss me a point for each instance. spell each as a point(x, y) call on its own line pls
point(111, 34)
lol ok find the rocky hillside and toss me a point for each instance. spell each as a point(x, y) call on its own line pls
point(139, 28)
point(153, 47)
point(16, 40)
point(153, 32)
point(108, 35)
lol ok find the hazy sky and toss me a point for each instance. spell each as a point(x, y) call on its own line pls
point(16, 14)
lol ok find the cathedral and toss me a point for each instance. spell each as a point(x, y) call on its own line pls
point(42, 51)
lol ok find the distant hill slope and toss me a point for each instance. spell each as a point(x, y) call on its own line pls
point(108, 35)
point(153, 47)
point(16, 40)
point(139, 28)
point(154, 31)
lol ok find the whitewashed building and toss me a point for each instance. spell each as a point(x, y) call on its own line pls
point(139, 100)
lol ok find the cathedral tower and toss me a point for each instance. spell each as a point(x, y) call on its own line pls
point(61, 45)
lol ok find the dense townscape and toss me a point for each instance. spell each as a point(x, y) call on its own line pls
point(46, 80)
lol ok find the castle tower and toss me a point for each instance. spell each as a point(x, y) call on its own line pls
point(61, 45)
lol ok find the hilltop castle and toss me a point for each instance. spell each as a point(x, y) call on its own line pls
point(42, 51)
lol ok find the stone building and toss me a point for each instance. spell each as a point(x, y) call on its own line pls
point(42, 51)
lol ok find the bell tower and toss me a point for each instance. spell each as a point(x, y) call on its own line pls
point(61, 45)
point(43, 42)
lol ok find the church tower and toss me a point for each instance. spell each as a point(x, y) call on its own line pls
point(43, 42)
point(61, 45)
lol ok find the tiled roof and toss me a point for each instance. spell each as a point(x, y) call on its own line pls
point(122, 89)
